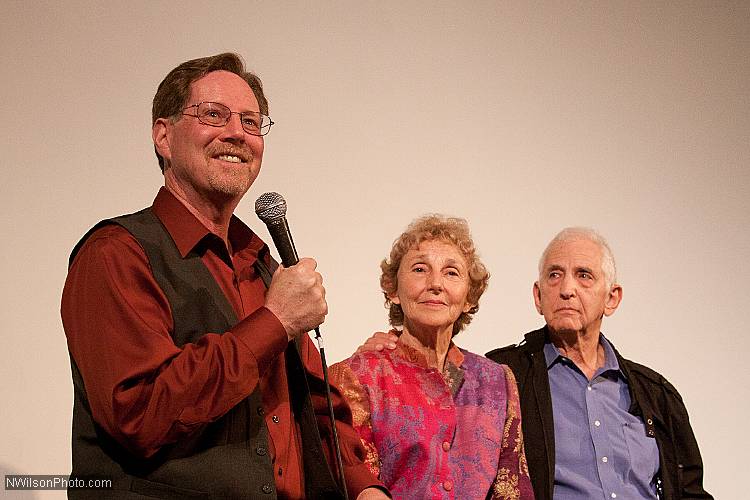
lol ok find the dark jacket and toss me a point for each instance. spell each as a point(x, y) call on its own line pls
point(653, 399)
point(228, 458)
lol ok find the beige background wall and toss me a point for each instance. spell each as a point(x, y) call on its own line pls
point(631, 117)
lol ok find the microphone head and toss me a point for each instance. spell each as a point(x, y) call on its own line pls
point(270, 207)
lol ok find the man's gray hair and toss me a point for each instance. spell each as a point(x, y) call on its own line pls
point(585, 233)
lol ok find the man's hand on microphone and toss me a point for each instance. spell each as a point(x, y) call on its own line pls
point(297, 298)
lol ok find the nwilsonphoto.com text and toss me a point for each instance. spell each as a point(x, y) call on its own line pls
point(52, 482)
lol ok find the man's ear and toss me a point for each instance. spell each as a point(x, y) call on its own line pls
point(537, 297)
point(160, 135)
point(614, 298)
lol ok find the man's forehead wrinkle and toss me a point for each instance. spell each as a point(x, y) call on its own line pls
point(210, 88)
point(555, 267)
point(578, 258)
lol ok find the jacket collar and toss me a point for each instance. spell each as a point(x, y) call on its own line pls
point(534, 341)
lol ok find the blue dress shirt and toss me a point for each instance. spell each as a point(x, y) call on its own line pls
point(611, 457)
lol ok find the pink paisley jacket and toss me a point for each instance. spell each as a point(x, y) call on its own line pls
point(455, 434)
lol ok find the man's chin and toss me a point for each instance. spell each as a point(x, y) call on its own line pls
point(230, 188)
point(564, 326)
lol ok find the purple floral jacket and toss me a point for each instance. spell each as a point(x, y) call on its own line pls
point(455, 434)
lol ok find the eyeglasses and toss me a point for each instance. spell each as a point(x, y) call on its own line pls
point(217, 115)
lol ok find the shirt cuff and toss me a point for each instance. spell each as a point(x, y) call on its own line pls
point(359, 477)
point(263, 334)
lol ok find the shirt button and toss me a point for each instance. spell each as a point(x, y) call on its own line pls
point(261, 411)
point(260, 450)
point(597, 423)
point(448, 485)
point(614, 495)
point(446, 446)
point(588, 387)
point(275, 419)
point(604, 459)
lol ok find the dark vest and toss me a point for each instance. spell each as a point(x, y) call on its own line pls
point(227, 458)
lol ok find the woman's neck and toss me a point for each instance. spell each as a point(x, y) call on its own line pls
point(432, 343)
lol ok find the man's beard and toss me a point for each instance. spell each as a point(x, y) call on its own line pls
point(231, 184)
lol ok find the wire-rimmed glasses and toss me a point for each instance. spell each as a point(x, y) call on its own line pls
point(216, 114)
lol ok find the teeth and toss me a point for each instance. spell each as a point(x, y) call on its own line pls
point(233, 159)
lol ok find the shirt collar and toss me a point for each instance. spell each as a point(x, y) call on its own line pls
point(454, 357)
point(453, 372)
point(184, 228)
point(610, 360)
point(187, 231)
point(552, 355)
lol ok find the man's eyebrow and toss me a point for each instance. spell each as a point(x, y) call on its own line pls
point(584, 269)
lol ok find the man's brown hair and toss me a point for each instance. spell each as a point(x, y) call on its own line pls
point(174, 91)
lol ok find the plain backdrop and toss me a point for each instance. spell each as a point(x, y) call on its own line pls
point(523, 117)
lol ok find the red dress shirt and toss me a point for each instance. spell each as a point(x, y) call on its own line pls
point(145, 391)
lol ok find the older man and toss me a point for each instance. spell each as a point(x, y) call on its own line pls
point(595, 424)
point(190, 378)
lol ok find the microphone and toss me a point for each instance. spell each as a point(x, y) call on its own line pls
point(271, 209)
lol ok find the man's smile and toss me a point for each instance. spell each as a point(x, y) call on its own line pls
point(231, 158)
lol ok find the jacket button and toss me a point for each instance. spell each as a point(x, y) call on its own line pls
point(448, 485)
point(275, 419)
point(261, 411)
point(266, 489)
point(446, 446)
point(260, 450)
